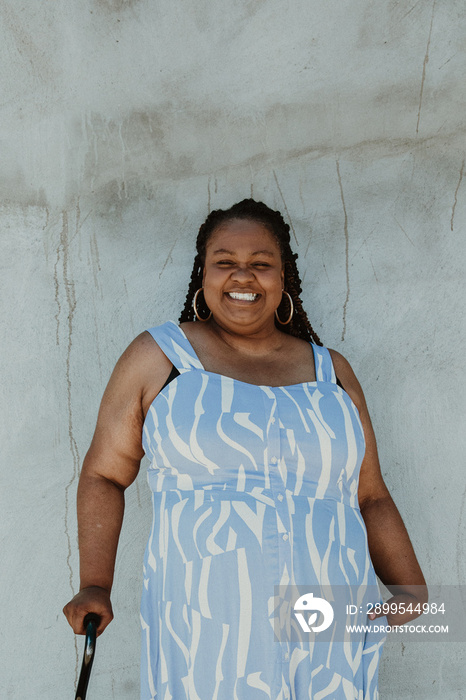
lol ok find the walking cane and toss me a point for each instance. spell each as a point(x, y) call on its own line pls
point(91, 622)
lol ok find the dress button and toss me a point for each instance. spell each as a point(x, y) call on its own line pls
point(285, 536)
point(280, 497)
point(274, 460)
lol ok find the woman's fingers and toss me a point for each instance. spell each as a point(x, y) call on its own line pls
point(89, 600)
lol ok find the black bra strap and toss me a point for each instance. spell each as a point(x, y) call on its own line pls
point(174, 373)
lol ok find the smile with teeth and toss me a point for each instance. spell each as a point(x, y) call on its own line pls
point(243, 296)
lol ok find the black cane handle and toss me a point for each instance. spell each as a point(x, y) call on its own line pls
point(91, 622)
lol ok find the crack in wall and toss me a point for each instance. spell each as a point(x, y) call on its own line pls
point(440, 68)
point(364, 242)
point(373, 269)
point(401, 227)
point(286, 208)
point(426, 61)
point(57, 296)
point(169, 257)
point(78, 217)
point(95, 259)
point(70, 298)
point(346, 251)
point(307, 249)
point(456, 195)
point(410, 10)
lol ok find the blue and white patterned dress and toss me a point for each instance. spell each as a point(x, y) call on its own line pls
point(252, 487)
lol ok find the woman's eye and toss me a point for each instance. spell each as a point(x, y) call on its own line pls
point(229, 263)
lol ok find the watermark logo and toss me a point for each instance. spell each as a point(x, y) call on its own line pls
point(340, 613)
point(315, 605)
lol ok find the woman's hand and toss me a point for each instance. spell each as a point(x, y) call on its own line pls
point(89, 600)
point(401, 608)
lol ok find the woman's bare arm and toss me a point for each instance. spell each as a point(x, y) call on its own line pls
point(110, 466)
point(390, 547)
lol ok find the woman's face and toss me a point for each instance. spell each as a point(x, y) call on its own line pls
point(243, 276)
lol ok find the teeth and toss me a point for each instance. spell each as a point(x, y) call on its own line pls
point(243, 296)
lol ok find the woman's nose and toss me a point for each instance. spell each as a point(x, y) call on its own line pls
point(242, 273)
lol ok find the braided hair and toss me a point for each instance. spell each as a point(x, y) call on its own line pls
point(251, 210)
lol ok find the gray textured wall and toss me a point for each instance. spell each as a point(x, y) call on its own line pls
point(123, 123)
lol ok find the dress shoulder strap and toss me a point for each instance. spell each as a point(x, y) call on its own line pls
point(325, 371)
point(175, 345)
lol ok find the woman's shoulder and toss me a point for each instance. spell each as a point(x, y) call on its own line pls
point(194, 329)
point(347, 377)
point(339, 361)
point(142, 354)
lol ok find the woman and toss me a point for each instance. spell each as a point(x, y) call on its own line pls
point(264, 472)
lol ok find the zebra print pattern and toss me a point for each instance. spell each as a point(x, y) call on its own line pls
point(252, 487)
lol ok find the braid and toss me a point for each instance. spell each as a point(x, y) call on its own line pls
point(196, 281)
point(206, 229)
point(299, 325)
point(254, 211)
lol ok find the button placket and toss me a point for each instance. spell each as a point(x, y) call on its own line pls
point(274, 452)
point(278, 487)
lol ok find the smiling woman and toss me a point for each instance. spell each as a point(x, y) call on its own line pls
point(243, 286)
point(264, 472)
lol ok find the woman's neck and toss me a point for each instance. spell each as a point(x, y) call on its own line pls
point(264, 340)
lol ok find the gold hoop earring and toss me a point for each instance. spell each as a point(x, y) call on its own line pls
point(284, 323)
point(195, 307)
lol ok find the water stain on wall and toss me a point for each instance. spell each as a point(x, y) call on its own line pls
point(176, 140)
point(139, 147)
point(389, 22)
point(16, 190)
point(39, 62)
point(116, 5)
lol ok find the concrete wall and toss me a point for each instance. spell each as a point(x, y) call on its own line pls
point(123, 123)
